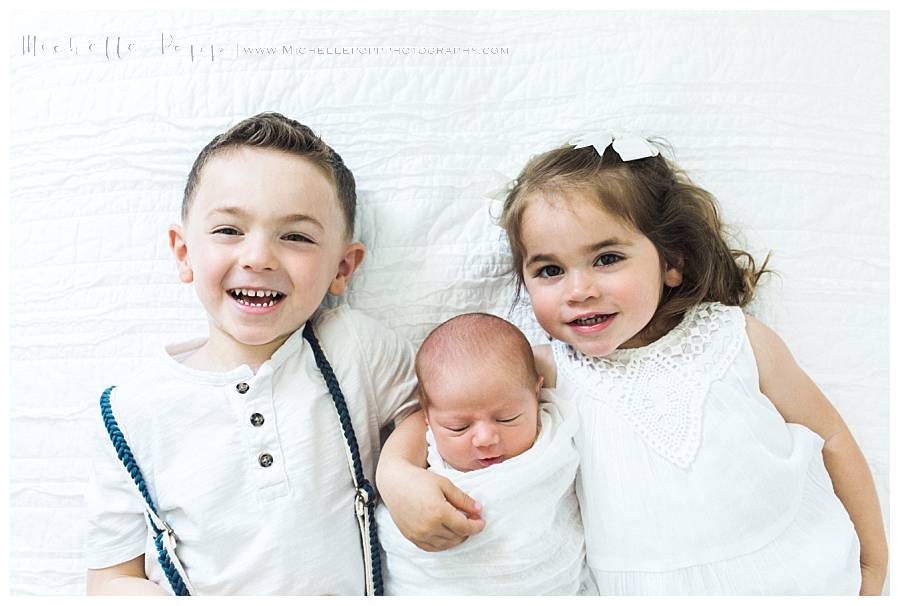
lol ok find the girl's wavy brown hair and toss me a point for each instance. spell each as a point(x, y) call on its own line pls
point(655, 197)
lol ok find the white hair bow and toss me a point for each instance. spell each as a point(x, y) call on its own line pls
point(628, 146)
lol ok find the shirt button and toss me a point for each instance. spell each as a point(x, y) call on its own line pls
point(257, 419)
point(242, 387)
point(265, 460)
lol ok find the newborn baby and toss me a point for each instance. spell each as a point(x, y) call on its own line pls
point(499, 437)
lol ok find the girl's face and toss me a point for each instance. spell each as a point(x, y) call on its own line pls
point(594, 282)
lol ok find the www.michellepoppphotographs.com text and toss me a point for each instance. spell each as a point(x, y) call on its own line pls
point(117, 47)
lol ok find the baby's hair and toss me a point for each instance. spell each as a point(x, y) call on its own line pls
point(655, 197)
point(271, 130)
point(475, 338)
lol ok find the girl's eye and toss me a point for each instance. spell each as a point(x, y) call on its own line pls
point(608, 259)
point(296, 238)
point(227, 231)
point(549, 271)
point(458, 429)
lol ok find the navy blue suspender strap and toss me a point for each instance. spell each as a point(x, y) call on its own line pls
point(366, 496)
point(162, 533)
point(364, 501)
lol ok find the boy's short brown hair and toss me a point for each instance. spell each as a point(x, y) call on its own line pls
point(270, 130)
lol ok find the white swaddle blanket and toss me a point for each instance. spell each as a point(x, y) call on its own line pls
point(533, 540)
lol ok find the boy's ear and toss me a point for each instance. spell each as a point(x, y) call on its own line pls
point(179, 248)
point(353, 257)
point(540, 384)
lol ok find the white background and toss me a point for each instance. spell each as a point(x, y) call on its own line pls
point(783, 116)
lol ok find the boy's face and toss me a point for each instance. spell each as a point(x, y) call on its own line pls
point(480, 417)
point(263, 243)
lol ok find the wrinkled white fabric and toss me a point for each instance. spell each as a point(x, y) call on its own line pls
point(533, 541)
point(691, 481)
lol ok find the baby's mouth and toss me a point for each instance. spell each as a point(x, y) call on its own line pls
point(490, 461)
point(256, 298)
point(591, 320)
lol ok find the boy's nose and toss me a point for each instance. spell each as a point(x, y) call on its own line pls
point(257, 255)
point(582, 286)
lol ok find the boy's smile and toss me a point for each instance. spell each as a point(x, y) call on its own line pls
point(263, 244)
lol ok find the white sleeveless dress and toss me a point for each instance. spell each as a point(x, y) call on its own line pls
point(691, 482)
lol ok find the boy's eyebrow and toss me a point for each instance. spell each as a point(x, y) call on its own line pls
point(546, 258)
point(240, 213)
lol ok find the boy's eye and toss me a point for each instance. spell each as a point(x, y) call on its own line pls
point(296, 238)
point(457, 429)
point(227, 231)
point(549, 271)
point(608, 259)
point(510, 420)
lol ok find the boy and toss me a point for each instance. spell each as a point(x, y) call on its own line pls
point(236, 434)
point(491, 436)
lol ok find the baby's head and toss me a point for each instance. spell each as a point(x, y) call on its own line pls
point(612, 253)
point(267, 222)
point(479, 389)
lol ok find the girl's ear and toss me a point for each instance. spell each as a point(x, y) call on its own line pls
point(540, 384)
point(352, 259)
point(178, 244)
point(673, 274)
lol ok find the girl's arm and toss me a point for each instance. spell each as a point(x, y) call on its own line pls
point(126, 578)
point(427, 508)
point(799, 400)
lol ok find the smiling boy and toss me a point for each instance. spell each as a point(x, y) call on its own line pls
point(236, 433)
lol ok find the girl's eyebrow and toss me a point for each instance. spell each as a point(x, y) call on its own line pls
point(549, 258)
point(606, 243)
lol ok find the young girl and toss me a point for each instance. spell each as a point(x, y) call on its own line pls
point(710, 462)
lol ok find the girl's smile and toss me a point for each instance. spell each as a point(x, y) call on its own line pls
point(591, 322)
point(594, 281)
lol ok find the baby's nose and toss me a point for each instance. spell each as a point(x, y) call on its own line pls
point(485, 436)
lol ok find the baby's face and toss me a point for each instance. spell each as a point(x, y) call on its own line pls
point(479, 420)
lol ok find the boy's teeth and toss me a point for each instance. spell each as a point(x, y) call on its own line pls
point(255, 293)
point(272, 296)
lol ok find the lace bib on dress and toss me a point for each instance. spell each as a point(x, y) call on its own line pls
point(660, 388)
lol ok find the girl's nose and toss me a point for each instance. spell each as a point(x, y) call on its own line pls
point(257, 255)
point(582, 286)
point(485, 436)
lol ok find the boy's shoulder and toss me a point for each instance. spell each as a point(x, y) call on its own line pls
point(345, 325)
point(155, 380)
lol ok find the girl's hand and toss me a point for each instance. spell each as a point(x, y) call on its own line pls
point(872, 579)
point(430, 511)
